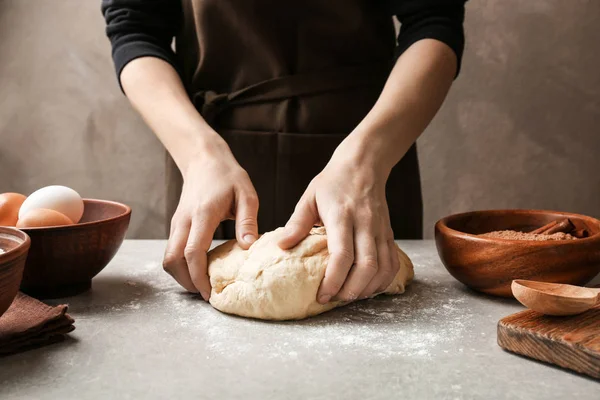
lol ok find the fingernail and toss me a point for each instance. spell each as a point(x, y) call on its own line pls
point(249, 238)
point(324, 299)
point(205, 295)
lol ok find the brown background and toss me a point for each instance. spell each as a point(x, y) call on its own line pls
point(521, 127)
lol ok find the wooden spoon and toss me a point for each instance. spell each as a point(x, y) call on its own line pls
point(554, 298)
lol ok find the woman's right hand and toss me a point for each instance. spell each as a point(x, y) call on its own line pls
point(215, 188)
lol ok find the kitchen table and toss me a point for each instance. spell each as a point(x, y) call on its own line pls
point(138, 335)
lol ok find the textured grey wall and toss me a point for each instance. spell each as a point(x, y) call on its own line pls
point(63, 119)
point(520, 128)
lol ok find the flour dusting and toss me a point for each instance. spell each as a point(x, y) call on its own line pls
point(432, 318)
point(414, 324)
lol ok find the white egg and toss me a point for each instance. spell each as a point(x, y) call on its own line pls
point(58, 198)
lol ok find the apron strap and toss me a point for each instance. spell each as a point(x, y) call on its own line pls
point(211, 103)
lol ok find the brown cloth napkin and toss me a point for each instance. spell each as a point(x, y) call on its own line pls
point(29, 323)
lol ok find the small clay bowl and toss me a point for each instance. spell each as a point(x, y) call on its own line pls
point(15, 244)
point(63, 259)
point(490, 265)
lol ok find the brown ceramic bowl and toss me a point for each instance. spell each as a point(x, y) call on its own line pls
point(63, 259)
point(490, 265)
point(15, 244)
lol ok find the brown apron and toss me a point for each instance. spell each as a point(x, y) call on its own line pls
point(284, 83)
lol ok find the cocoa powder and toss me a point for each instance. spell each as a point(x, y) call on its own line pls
point(515, 235)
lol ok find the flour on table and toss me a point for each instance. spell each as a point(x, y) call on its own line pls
point(430, 319)
point(385, 327)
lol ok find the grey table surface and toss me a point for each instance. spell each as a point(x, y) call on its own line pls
point(139, 336)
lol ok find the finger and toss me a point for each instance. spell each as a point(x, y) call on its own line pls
point(201, 235)
point(384, 271)
point(246, 223)
point(340, 244)
point(174, 262)
point(299, 225)
point(365, 265)
point(395, 261)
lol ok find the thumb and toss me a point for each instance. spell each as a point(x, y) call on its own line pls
point(246, 224)
point(299, 225)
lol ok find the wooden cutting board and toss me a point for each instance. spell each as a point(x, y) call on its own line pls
point(570, 342)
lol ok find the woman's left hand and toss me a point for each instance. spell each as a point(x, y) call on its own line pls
point(348, 198)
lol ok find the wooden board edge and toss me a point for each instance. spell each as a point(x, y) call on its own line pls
point(518, 340)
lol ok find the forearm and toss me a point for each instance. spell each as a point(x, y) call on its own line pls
point(410, 99)
point(157, 93)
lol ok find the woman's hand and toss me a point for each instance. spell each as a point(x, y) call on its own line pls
point(215, 188)
point(348, 198)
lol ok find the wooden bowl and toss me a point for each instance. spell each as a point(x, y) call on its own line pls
point(489, 265)
point(15, 244)
point(63, 259)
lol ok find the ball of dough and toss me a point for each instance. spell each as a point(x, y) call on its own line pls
point(266, 282)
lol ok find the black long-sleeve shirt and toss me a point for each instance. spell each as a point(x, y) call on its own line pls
point(139, 28)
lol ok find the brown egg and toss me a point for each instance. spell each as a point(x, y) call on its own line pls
point(10, 203)
point(42, 217)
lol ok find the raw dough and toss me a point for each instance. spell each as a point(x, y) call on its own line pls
point(266, 282)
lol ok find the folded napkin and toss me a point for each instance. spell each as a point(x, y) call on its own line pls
point(29, 323)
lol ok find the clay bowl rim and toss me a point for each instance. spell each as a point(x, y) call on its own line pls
point(15, 252)
point(442, 225)
point(84, 224)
